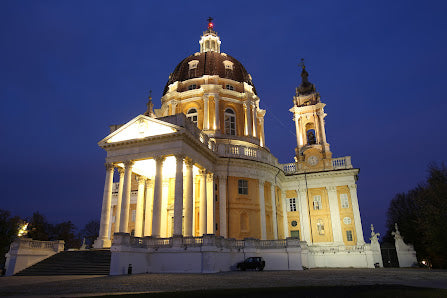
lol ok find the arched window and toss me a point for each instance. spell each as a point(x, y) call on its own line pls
point(192, 115)
point(230, 122)
point(310, 134)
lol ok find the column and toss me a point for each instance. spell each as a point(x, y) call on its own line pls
point(317, 128)
point(248, 125)
point(164, 232)
point(216, 113)
point(357, 218)
point(284, 214)
point(323, 132)
point(173, 107)
point(262, 209)
point(104, 237)
point(261, 122)
point(223, 206)
point(140, 207)
point(119, 200)
point(203, 207)
point(156, 213)
point(255, 120)
point(125, 204)
point(335, 214)
point(299, 137)
point(178, 198)
point(304, 216)
point(205, 112)
point(148, 207)
point(210, 205)
point(189, 198)
point(274, 216)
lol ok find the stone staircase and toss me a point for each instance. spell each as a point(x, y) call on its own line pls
point(80, 262)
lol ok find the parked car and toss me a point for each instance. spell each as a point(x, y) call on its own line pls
point(256, 263)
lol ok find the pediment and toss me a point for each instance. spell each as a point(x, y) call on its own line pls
point(138, 128)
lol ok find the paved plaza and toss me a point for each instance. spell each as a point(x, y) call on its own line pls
point(94, 285)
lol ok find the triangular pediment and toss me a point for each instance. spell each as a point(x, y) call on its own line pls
point(138, 128)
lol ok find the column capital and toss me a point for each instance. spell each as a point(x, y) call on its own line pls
point(121, 171)
point(352, 187)
point(159, 158)
point(141, 179)
point(149, 183)
point(331, 188)
point(221, 177)
point(179, 156)
point(210, 176)
point(109, 166)
point(129, 163)
point(203, 172)
point(189, 162)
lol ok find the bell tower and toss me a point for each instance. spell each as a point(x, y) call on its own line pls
point(312, 151)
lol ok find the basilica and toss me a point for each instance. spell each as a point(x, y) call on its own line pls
point(198, 182)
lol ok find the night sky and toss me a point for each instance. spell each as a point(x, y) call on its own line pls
point(68, 70)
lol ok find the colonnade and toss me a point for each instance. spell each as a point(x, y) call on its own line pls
point(149, 206)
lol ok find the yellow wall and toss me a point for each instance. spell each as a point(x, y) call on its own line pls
point(245, 207)
point(346, 212)
point(316, 215)
point(293, 215)
point(279, 214)
point(268, 210)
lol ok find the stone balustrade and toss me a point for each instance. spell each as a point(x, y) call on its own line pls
point(28, 243)
point(25, 252)
point(336, 249)
point(337, 164)
point(245, 152)
point(124, 239)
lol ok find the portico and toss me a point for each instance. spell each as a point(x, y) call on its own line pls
point(165, 203)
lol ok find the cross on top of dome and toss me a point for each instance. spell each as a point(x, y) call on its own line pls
point(210, 41)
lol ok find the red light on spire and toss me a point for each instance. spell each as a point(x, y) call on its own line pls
point(210, 23)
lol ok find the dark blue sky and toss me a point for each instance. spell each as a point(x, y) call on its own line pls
point(70, 69)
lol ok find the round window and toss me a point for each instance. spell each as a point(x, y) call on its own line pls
point(347, 220)
point(294, 223)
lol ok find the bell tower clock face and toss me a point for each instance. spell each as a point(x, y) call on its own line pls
point(312, 160)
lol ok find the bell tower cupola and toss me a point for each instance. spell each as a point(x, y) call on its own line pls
point(210, 41)
point(312, 151)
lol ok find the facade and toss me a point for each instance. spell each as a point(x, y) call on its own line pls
point(199, 165)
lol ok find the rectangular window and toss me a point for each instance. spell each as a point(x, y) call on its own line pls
point(317, 203)
point(292, 204)
point(243, 187)
point(229, 87)
point(192, 87)
point(295, 234)
point(134, 214)
point(344, 200)
point(349, 235)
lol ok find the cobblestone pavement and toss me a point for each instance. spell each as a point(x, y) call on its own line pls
point(88, 285)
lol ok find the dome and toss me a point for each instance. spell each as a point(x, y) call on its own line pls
point(210, 63)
